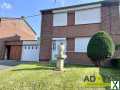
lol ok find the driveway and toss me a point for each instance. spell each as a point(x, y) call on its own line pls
point(4, 64)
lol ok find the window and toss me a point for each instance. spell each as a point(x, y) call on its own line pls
point(25, 47)
point(28, 47)
point(32, 47)
point(60, 19)
point(54, 45)
point(88, 16)
point(36, 47)
point(81, 44)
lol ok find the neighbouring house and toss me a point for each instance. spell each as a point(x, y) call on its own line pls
point(74, 26)
point(17, 40)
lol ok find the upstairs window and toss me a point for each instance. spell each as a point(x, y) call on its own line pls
point(60, 19)
point(88, 16)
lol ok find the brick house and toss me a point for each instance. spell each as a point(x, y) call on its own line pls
point(17, 40)
point(74, 26)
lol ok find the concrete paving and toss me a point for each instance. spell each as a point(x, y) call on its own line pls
point(4, 64)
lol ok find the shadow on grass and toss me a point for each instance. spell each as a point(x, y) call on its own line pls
point(78, 66)
point(38, 67)
point(109, 74)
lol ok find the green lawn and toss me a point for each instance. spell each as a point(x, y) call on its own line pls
point(45, 77)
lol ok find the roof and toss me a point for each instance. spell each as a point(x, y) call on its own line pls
point(85, 4)
point(30, 26)
point(79, 5)
point(17, 18)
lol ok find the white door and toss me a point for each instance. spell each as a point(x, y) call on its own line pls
point(30, 53)
point(55, 44)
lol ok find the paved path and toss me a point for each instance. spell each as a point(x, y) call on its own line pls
point(4, 64)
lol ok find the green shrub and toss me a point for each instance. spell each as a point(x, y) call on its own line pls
point(100, 47)
point(115, 62)
point(53, 62)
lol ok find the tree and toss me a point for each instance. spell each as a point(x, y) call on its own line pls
point(100, 47)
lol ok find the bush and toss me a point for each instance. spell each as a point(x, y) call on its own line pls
point(115, 63)
point(53, 62)
point(100, 47)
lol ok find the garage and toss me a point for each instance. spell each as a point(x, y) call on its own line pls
point(30, 51)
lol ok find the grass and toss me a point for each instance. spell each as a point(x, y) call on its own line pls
point(45, 77)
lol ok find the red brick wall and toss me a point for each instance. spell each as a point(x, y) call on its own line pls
point(70, 44)
point(78, 58)
point(75, 30)
point(110, 23)
point(71, 18)
point(46, 36)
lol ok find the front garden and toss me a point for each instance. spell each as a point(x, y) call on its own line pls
point(38, 76)
point(43, 77)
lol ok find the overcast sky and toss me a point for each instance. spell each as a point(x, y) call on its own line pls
point(17, 8)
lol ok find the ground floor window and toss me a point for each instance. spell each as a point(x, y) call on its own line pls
point(81, 44)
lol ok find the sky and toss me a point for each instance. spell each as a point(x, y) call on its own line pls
point(18, 8)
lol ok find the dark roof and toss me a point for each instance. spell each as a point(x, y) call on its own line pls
point(72, 6)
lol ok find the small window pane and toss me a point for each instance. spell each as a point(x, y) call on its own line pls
point(36, 47)
point(32, 47)
point(28, 47)
point(54, 45)
point(25, 47)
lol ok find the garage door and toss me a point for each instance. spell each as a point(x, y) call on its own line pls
point(30, 53)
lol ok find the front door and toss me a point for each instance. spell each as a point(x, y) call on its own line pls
point(55, 44)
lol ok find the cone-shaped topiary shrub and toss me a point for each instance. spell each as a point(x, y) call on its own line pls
point(100, 47)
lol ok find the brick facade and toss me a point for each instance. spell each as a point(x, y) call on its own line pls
point(46, 36)
point(109, 23)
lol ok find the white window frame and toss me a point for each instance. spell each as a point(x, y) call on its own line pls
point(80, 46)
point(60, 19)
point(81, 16)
